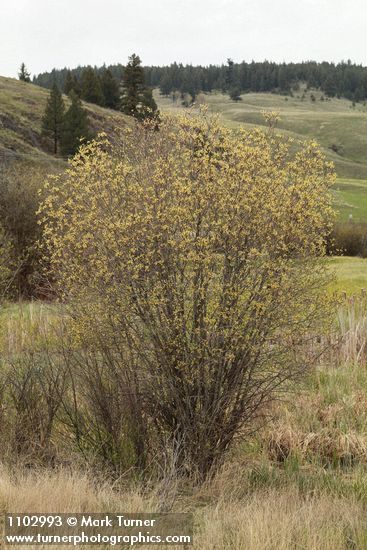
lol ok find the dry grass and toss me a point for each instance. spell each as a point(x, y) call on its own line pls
point(26, 324)
point(265, 520)
point(352, 326)
point(329, 446)
point(49, 491)
point(325, 424)
point(282, 520)
point(66, 491)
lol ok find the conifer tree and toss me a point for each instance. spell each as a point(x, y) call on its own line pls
point(132, 87)
point(52, 120)
point(75, 126)
point(149, 107)
point(230, 79)
point(71, 83)
point(330, 86)
point(235, 93)
point(190, 83)
point(110, 90)
point(23, 74)
point(137, 99)
point(91, 89)
point(166, 86)
point(358, 95)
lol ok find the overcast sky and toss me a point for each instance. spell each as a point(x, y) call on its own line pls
point(58, 33)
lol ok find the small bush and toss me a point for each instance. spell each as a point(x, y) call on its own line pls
point(102, 418)
point(337, 148)
point(349, 239)
point(19, 202)
point(235, 93)
point(33, 380)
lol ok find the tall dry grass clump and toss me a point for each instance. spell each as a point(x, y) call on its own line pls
point(352, 327)
point(280, 520)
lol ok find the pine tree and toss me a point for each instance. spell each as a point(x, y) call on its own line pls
point(75, 126)
point(284, 78)
point(23, 74)
point(53, 117)
point(71, 84)
point(133, 87)
point(91, 89)
point(230, 79)
point(149, 107)
point(330, 86)
point(232, 82)
point(190, 82)
point(110, 90)
point(235, 93)
point(358, 94)
point(166, 85)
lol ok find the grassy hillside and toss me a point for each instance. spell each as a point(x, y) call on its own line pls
point(334, 123)
point(339, 127)
point(351, 199)
point(21, 109)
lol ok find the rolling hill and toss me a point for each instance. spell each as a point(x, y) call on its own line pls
point(21, 109)
point(340, 128)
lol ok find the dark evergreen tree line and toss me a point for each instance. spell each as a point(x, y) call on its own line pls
point(66, 129)
point(117, 88)
point(344, 79)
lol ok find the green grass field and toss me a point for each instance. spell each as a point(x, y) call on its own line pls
point(350, 274)
point(351, 199)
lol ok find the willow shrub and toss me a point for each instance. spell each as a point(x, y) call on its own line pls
point(191, 256)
